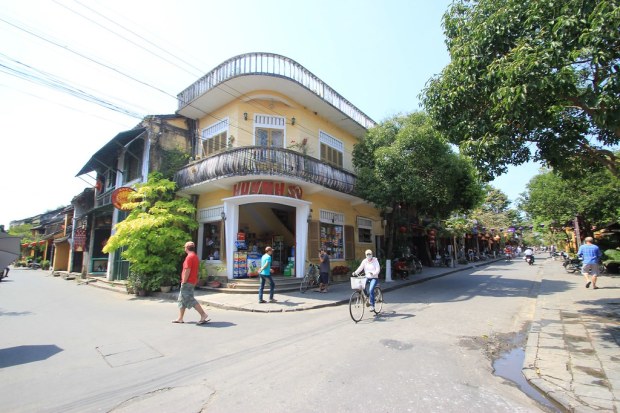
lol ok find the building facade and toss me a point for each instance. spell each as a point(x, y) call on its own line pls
point(273, 167)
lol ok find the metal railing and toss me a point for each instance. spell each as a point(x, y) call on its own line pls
point(259, 160)
point(272, 65)
point(104, 198)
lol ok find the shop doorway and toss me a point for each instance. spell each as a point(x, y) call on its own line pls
point(265, 224)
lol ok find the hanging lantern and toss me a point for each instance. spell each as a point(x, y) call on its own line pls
point(432, 232)
point(402, 229)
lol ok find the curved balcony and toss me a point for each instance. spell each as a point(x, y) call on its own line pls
point(258, 160)
point(269, 65)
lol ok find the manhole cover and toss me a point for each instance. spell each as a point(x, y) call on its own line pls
point(129, 352)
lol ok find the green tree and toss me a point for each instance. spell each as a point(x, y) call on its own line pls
point(555, 201)
point(495, 211)
point(152, 236)
point(531, 80)
point(404, 162)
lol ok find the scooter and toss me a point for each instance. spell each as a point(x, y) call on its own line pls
point(572, 265)
point(529, 259)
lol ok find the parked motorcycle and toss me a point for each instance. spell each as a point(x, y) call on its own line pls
point(572, 265)
point(407, 265)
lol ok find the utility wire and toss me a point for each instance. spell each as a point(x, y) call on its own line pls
point(236, 96)
point(45, 79)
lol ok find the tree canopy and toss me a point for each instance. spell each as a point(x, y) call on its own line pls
point(531, 80)
point(553, 200)
point(405, 161)
point(154, 233)
point(495, 211)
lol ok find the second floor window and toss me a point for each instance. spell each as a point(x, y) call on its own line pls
point(215, 137)
point(331, 149)
point(269, 131)
point(214, 144)
point(132, 164)
point(273, 138)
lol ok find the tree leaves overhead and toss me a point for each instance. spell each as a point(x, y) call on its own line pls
point(404, 160)
point(531, 80)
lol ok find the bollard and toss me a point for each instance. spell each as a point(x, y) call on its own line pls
point(388, 271)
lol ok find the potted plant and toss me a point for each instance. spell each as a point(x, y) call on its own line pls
point(203, 275)
point(136, 283)
point(165, 281)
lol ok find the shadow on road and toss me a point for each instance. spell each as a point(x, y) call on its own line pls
point(13, 356)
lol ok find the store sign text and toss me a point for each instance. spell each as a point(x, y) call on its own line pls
point(267, 188)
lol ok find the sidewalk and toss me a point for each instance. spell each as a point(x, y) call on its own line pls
point(338, 294)
point(573, 348)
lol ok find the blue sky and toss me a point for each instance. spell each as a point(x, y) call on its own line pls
point(377, 54)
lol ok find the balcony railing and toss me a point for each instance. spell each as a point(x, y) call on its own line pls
point(272, 65)
point(258, 160)
point(104, 198)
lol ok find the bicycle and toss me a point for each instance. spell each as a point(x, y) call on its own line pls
point(311, 278)
point(360, 298)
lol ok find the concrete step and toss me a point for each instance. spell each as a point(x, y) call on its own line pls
point(251, 285)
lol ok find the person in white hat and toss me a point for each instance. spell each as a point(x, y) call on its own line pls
point(371, 268)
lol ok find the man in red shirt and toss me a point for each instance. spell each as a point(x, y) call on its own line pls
point(189, 278)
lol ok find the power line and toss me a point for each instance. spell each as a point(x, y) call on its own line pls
point(238, 95)
point(36, 76)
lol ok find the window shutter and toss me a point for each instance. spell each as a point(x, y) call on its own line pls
point(349, 243)
point(313, 239)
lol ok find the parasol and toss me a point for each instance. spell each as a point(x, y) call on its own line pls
point(9, 249)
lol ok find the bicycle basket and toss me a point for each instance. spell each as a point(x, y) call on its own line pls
point(358, 283)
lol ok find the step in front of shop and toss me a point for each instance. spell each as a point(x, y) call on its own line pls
point(251, 285)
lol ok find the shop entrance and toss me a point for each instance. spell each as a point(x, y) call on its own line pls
point(260, 225)
point(259, 214)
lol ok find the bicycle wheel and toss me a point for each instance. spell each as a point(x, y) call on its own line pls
point(378, 300)
point(356, 306)
point(305, 282)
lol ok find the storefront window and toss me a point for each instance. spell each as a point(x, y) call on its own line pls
point(332, 239)
point(211, 241)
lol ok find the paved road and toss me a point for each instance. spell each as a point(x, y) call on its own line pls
point(73, 348)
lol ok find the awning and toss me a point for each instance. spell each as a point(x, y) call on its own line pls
point(61, 240)
point(109, 153)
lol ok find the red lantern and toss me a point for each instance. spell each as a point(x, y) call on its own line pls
point(432, 232)
point(402, 229)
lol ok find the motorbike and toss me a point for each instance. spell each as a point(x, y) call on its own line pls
point(572, 265)
point(559, 255)
point(34, 265)
point(529, 259)
point(407, 265)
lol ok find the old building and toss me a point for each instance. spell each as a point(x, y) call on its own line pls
point(273, 166)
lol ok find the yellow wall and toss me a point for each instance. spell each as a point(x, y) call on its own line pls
point(307, 124)
point(61, 259)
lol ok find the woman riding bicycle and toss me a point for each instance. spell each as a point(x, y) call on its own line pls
point(370, 266)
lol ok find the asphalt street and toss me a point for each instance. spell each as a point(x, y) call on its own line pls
point(70, 347)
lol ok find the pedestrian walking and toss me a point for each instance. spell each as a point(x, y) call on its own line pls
point(189, 278)
point(265, 274)
point(323, 271)
point(591, 255)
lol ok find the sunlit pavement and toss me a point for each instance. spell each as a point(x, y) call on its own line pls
point(573, 348)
